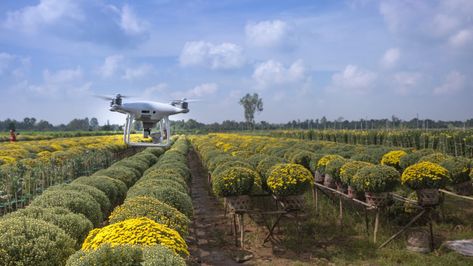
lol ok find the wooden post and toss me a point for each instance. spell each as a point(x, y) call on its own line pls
point(235, 233)
point(431, 230)
point(367, 222)
point(376, 224)
point(242, 231)
point(316, 199)
point(340, 215)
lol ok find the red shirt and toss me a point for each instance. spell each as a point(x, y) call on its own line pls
point(12, 136)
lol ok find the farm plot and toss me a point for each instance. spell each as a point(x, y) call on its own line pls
point(148, 226)
point(242, 169)
point(27, 168)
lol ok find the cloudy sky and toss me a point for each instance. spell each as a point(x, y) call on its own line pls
point(353, 59)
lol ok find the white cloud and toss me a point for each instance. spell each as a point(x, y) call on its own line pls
point(46, 12)
point(454, 82)
point(461, 38)
point(214, 56)
point(203, 89)
point(129, 22)
point(110, 65)
point(152, 91)
point(275, 73)
point(137, 72)
point(390, 57)
point(405, 82)
point(266, 33)
point(353, 79)
point(14, 65)
point(198, 91)
point(64, 81)
point(5, 61)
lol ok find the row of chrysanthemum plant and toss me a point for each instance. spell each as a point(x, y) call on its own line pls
point(56, 223)
point(363, 172)
point(237, 172)
point(150, 226)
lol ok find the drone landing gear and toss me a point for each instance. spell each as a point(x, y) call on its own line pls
point(159, 139)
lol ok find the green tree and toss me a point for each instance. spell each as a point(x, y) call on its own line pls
point(251, 104)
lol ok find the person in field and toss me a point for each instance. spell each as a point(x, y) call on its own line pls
point(12, 135)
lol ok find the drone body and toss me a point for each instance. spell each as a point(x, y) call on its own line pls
point(150, 114)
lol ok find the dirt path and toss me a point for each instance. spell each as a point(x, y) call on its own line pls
point(208, 244)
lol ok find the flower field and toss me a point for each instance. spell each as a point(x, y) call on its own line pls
point(28, 167)
point(453, 142)
point(100, 208)
point(243, 165)
point(144, 196)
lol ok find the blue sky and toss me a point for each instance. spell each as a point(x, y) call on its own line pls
point(306, 59)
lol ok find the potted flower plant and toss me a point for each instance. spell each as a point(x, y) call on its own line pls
point(426, 178)
point(333, 170)
point(235, 184)
point(459, 170)
point(376, 181)
point(288, 182)
point(393, 158)
point(347, 172)
point(321, 168)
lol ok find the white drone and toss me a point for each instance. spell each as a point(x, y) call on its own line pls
point(149, 114)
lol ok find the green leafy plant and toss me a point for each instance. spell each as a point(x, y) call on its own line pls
point(26, 241)
point(376, 178)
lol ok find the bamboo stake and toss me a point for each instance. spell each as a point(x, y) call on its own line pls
point(376, 224)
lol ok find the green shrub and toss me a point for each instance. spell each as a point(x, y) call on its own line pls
point(157, 151)
point(164, 176)
point(126, 255)
point(133, 163)
point(303, 158)
point(264, 167)
point(364, 157)
point(165, 183)
point(99, 196)
point(76, 225)
point(234, 181)
point(376, 178)
point(414, 157)
point(349, 169)
point(171, 196)
point(434, 158)
point(289, 179)
point(214, 162)
point(255, 159)
point(167, 171)
point(153, 209)
point(26, 241)
point(149, 157)
point(224, 166)
point(72, 200)
point(322, 163)
point(333, 168)
point(458, 169)
point(315, 160)
point(114, 189)
point(172, 168)
point(122, 173)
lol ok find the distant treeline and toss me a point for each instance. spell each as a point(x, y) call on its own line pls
point(323, 123)
point(191, 125)
point(32, 124)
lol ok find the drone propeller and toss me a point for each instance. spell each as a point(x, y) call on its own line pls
point(187, 100)
point(110, 98)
